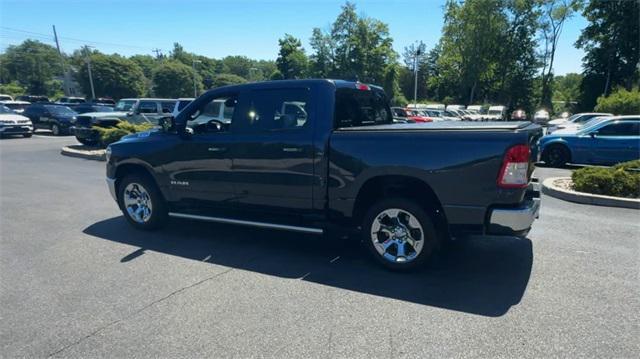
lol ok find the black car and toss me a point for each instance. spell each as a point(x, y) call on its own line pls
point(91, 107)
point(51, 116)
point(32, 98)
point(337, 163)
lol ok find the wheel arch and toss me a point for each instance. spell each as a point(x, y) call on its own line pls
point(557, 143)
point(125, 169)
point(413, 188)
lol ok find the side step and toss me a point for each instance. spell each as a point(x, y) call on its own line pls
point(283, 227)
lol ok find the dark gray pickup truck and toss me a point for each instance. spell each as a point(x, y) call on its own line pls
point(319, 156)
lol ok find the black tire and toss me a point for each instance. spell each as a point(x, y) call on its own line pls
point(86, 141)
point(158, 211)
point(556, 156)
point(430, 238)
point(27, 135)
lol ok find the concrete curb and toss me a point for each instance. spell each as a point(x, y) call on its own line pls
point(80, 151)
point(549, 188)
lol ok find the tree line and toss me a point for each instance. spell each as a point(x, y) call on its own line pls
point(490, 51)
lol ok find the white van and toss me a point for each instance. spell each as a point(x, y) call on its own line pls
point(497, 113)
point(436, 106)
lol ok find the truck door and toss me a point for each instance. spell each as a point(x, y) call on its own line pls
point(273, 155)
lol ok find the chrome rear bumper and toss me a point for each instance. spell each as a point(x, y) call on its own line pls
point(516, 221)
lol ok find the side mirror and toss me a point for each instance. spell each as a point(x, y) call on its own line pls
point(593, 134)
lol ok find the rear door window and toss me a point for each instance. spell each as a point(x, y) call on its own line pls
point(275, 110)
point(361, 108)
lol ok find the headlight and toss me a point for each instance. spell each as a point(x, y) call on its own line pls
point(107, 153)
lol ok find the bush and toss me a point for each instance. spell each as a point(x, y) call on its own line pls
point(620, 102)
point(619, 180)
point(107, 136)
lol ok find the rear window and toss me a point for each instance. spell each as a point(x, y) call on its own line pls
point(361, 108)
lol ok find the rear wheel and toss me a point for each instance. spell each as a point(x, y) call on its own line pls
point(56, 130)
point(556, 156)
point(141, 202)
point(27, 135)
point(399, 233)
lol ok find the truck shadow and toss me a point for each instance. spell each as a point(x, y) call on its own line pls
point(484, 276)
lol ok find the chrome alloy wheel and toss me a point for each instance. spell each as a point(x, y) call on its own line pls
point(397, 235)
point(137, 202)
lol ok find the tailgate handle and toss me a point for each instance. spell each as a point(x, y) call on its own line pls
point(291, 149)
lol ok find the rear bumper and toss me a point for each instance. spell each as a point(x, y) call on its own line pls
point(516, 221)
point(16, 129)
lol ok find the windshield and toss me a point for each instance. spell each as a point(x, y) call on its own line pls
point(102, 109)
point(16, 106)
point(495, 112)
point(589, 125)
point(5, 110)
point(573, 118)
point(61, 110)
point(124, 105)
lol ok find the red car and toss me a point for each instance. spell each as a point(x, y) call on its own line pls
point(410, 114)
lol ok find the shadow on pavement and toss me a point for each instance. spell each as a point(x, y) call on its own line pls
point(484, 276)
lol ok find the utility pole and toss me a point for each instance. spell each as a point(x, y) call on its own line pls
point(65, 74)
point(87, 59)
point(193, 65)
point(415, 74)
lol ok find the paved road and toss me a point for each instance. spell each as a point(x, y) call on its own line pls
point(77, 281)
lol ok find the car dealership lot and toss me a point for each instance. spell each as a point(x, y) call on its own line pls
point(77, 281)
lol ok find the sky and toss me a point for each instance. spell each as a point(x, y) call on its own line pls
point(219, 28)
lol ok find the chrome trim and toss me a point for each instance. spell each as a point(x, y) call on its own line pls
point(516, 219)
point(111, 183)
point(248, 223)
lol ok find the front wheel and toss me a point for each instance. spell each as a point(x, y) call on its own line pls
point(141, 202)
point(55, 129)
point(399, 233)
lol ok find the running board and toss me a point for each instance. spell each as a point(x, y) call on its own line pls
point(283, 227)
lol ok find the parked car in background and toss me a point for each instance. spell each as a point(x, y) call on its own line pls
point(6, 97)
point(70, 101)
point(479, 109)
point(496, 113)
point(519, 115)
point(454, 114)
point(50, 116)
point(33, 98)
point(541, 117)
point(181, 103)
point(12, 123)
point(104, 101)
point(440, 115)
point(574, 122)
point(136, 111)
point(17, 106)
point(404, 187)
point(91, 107)
point(601, 141)
point(409, 114)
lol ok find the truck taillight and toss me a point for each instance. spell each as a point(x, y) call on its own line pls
point(515, 167)
point(363, 87)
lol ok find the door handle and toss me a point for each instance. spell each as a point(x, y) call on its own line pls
point(216, 149)
point(291, 149)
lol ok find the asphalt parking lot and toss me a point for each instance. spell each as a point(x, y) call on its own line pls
point(77, 281)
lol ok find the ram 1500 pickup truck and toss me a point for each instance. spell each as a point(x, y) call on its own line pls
point(336, 161)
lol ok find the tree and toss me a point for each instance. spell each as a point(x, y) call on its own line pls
point(174, 79)
point(612, 50)
point(113, 76)
point(321, 61)
point(146, 62)
point(13, 89)
point(391, 86)
point(238, 65)
point(292, 62)
point(33, 65)
point(416, 53)
point(620, 102)
point(228, 79)
point(554, 15)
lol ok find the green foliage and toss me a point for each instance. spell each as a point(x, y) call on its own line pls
point(173, 79)
point(619, 180)
point(227, 79)
point(13, 88)
point(107, 136)
point(113, 76)
point(620, 102)
point(610, 42)
point(292, 62)
point(391, 86)
point(32, 65)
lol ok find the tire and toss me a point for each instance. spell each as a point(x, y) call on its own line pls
point(27, 135)
point(56, 130)
point(86, 141)
point(556, 156)
point(141, 202)
point(394, 223)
